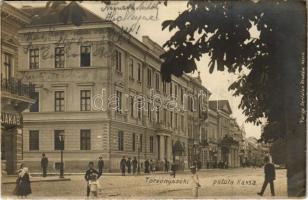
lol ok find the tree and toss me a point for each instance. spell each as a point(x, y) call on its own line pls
point(275, 62)
point(67, 12)
point(278, 152)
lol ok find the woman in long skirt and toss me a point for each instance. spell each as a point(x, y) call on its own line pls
point(24, 186)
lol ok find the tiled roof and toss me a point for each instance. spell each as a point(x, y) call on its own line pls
point(49, 16)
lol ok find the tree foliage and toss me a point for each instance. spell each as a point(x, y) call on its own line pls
point(278, 151)
point(221, 29)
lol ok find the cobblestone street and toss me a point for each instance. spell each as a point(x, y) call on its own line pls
point(244, 182)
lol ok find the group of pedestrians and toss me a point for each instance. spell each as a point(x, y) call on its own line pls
point(130, 164)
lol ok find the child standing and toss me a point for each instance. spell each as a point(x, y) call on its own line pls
point(91, 176)
point(195, 181)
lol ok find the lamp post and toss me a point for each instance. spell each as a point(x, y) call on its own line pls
point(138, 149)
point(61, 139)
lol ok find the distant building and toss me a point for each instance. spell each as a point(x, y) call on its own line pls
point(256, 152)
point(223, 135)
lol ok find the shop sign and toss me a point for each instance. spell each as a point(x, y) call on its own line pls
point(11, 119)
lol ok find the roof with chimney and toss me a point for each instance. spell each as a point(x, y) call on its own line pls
point(60, 14)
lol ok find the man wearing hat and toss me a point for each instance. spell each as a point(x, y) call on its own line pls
point(195, 181)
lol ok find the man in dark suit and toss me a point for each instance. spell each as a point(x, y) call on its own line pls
point(44, 164)
point(270, 175)
point(123, 165)
point(100, 165)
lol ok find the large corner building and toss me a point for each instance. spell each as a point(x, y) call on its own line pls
point(101, 90)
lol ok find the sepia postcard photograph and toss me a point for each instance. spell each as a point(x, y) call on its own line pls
point(195, 99)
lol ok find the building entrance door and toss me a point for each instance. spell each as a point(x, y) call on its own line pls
point(9, 151)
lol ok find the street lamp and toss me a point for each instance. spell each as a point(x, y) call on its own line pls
point(61, 139)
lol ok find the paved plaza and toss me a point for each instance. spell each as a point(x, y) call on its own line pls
point(243, 182)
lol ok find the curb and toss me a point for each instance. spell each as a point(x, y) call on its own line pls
point(40, 180)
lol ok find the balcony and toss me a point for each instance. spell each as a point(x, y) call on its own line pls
point(17, 88)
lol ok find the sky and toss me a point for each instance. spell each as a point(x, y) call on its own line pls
point(151, 17)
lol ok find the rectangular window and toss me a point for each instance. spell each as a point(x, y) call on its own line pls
point(59, 139)
point(131, 106)
point(131, 67)
point(157, 81)
point(182, 123)
point(191, 104)
point(120, 141)
point(175, 90)
point(171, 119)
point(59, 101)
point(149, 75)
point(134, 142)
point(165, 116)
point(139, 108)
point(85, 56)
point(139, 72)
point(85, 139)
point(8, 66)
point(151, 144)
point(34, 58)
point(149, 111)
point(34, 141)
point(176, 120)
point(119, 101)
point(118, 59)
point(36, 106)
point(141, 142)
point(85, 100)
point(170, 88)
point(182, 95)
point(59, 57)
point(164, 87)
point(157, 114)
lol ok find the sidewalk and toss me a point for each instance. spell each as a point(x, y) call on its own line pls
point(37, 176)
point(12, 179)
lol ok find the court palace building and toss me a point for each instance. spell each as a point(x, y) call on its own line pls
point(100, 89)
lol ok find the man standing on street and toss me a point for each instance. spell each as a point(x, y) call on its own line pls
point(134, 163)
point(44, 164)
point(166, 165)
point(270, 175)
point(122, 165)
point(129, 165)
point(100, 165)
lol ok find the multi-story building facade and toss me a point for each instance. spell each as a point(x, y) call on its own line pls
point(100, 89)
point(223, 135)
point(16, 94)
